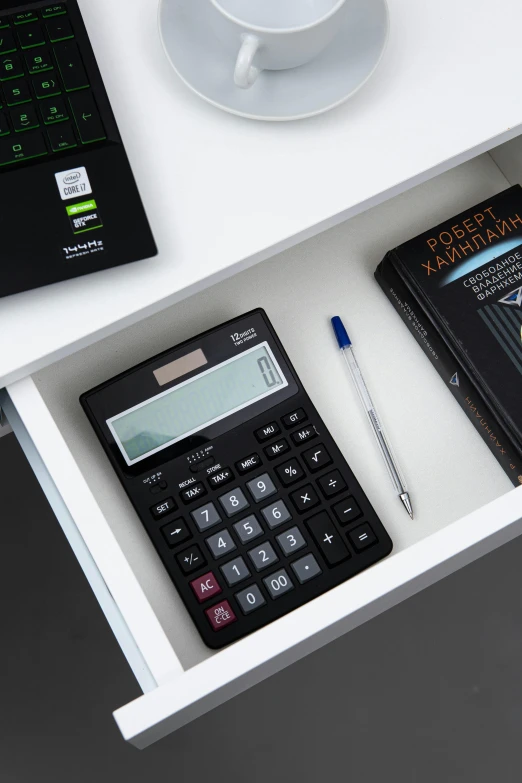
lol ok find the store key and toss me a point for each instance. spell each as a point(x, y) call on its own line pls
point(223, 424)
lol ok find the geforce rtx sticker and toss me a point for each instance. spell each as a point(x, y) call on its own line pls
point(73, 183)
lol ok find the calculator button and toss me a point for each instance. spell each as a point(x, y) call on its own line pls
point(205, 587)
point(223, 477)
point(316, 458)
point(46, 85)
point(53, 10)
point(268, 431)
point(306, 568)
point(71, 66)
point(165, 507)
point(250, 599)
point(290, 472)
point(205, 516)
point(27, 16)
point(305, 498)
point(332, 484)
point(276, 449)
point(327, 538)
point(296, 417)
point(221, 544)
point(301, 436)
point(261, 487)
point(220, 615)
point(191, 559)
point(24, 119)
point(202, 464)
point(25, 147)
point(193, 492)
point(235, 571)
point(176, 532)
point(233, 502)
point(276, 514)
point(278, 584)
point(362, 537)
point(17, 92)
point(7, 42)
point(263, 556)
point(87, 117)
point(291, 541)
point(59, 30)
point(248, 529)
point(30, 36)
point(4, 126)
point(248, 464)
point(10, 67)
point(347, 510)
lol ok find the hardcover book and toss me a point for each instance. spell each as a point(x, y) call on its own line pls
point(458, 287)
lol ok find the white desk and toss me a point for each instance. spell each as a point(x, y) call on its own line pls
point(447, 88)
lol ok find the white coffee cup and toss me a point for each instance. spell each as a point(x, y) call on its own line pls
point(274, 34)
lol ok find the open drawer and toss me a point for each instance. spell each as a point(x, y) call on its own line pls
point(465, 506)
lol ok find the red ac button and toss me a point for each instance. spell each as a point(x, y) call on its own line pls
point(205, 586)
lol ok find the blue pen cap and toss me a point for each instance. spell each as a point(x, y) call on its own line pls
point(340, 332)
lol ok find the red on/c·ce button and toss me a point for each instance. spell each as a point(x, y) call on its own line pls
point(205, 586)
point(220, 615)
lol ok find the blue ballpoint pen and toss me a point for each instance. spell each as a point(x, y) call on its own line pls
point(391, 463)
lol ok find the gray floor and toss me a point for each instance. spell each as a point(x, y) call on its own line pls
point(430, 692)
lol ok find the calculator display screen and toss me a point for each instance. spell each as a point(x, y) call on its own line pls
point(196, 403)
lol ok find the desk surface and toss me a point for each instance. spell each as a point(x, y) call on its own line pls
point(447, 88)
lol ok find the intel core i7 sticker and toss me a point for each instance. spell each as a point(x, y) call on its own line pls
point(84, 217)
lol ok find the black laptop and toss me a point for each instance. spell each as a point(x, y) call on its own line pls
point(69, 204)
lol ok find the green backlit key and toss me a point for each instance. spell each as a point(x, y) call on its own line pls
point(62, 137)
point(58, 9)
point(4, 126)
point(31, 36)
point(24, 119)
point(59, 30)
point(16, 150)
point(54, 110)
point(7, 42)
point(71, 66)
point(4, 22)
point(16, 92)
point(25, 17)
point(39, 61)
point(10, 67)
point(46, 85)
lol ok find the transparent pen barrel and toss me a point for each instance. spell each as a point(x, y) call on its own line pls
point(389, 457)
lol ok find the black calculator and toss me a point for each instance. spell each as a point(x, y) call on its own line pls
point(246, 497)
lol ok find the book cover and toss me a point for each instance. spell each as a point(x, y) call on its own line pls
point(458, 287)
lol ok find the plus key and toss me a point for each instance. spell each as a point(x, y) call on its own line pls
point(328, 539)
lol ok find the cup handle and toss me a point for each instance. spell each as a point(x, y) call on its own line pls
point(245, 72)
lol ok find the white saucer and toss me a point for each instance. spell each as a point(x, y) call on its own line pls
point(200, 61)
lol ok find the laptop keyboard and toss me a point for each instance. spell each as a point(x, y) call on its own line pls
point(47, 106)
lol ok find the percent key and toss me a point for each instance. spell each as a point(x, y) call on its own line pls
point(290, 472)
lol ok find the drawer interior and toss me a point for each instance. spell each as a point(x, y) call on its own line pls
point(449, 470)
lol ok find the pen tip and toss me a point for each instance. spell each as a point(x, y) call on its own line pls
point(407, 503)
